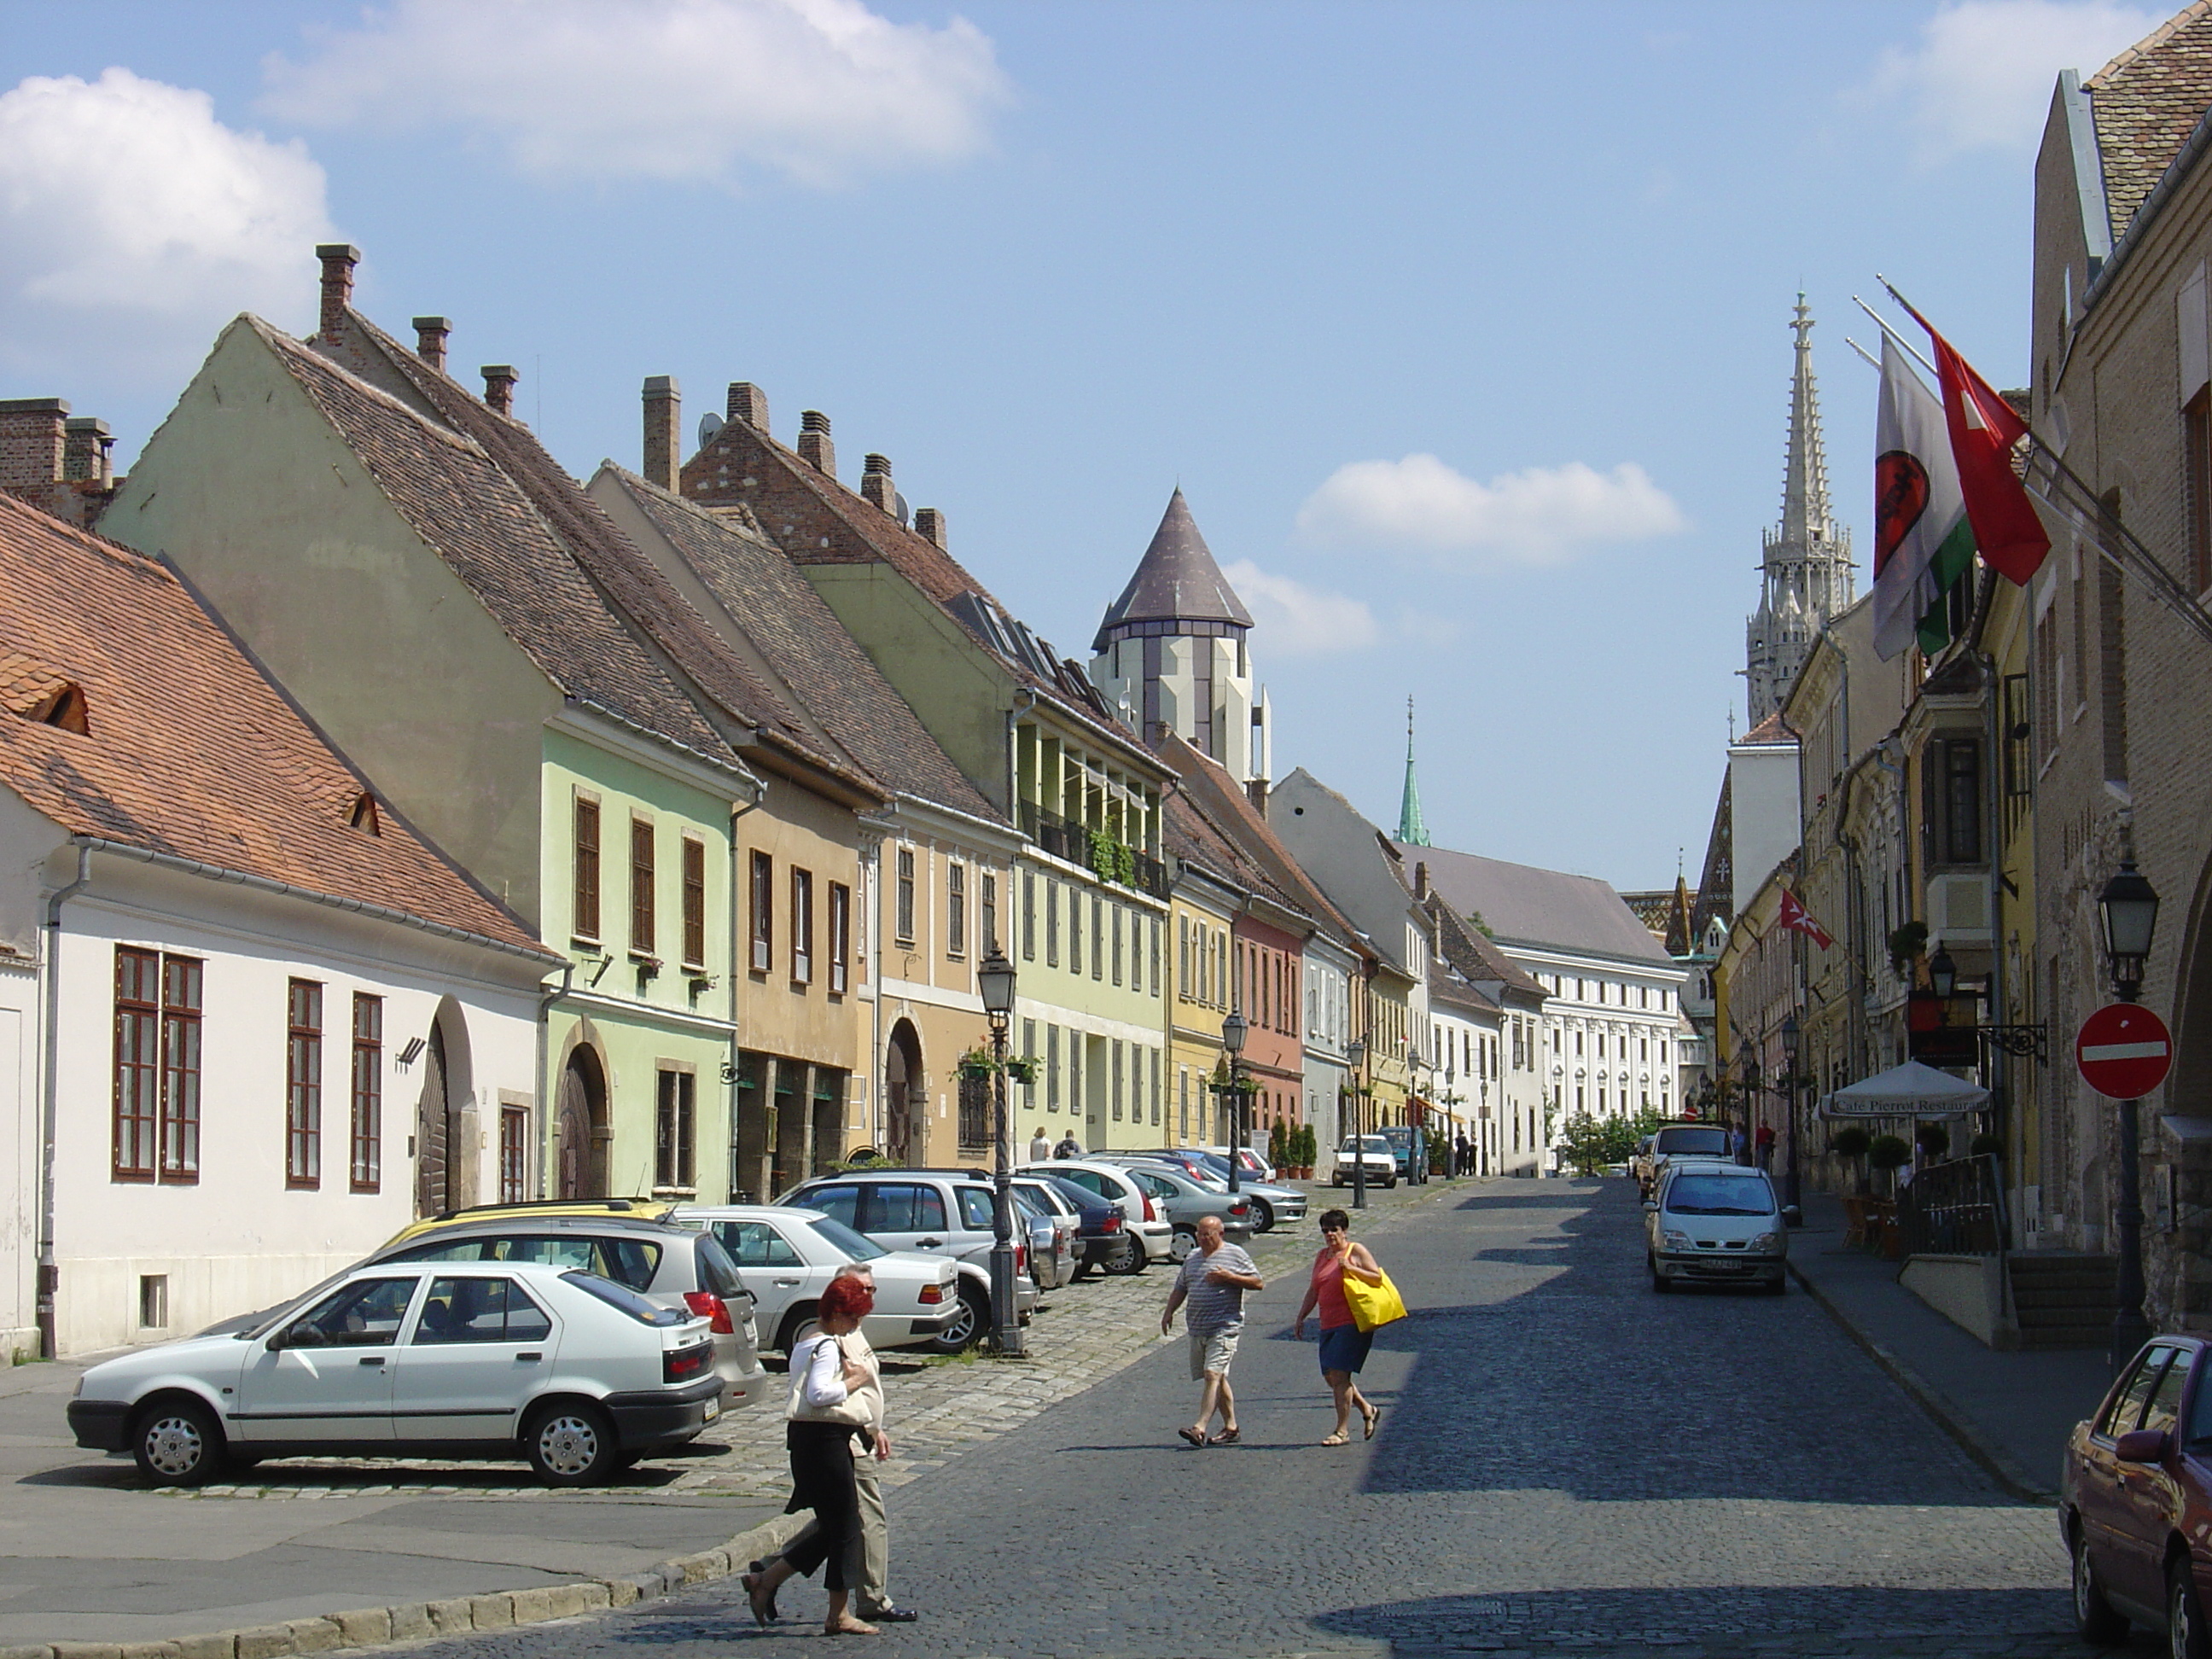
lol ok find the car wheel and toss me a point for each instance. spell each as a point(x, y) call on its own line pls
point(797, 1322)
point(1391, 1184)
point(1660, 1282)
point(968, 1326)
point(1263, 1215)
point(571, 1444)
point(1182, 1244)
point(1131, 1261)
point(2186, 1635)
point(2095, 1619)
point(178, 1442)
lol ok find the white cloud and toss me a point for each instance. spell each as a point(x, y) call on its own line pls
point(126, 203)
point(1982, 75)
point(1294, 620)
point(819, 90)
point(1545, 515)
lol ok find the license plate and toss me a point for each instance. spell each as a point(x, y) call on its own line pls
point(714, 1410)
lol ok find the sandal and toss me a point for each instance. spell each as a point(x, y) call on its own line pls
point(763, 1610)
point(1338, 1440)
point(1228, 1437)
point(1194, 1435)
point(1374, 1416)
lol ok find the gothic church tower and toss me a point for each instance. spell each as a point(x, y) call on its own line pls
point(1805, 577)
point(1172, 654)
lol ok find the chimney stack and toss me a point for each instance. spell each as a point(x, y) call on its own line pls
point(430, 334)
point(749, 403)
point(664, 435)
point(929, 525)
point(86, 444)
point(814, 445)
point(499, 387)
point(876, 484)
point(32, 445)
point(338, 260)
point(1421, 880)
point(1256, 792)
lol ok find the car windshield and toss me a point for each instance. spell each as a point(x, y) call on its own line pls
point(858, 1246)
point(1691, 1143)
point(1720, 1194)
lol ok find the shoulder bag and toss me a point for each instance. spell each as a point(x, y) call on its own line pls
point(1373, 1305)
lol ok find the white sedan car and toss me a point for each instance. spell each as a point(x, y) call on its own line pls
point(577, 1374)
point(787, 1257)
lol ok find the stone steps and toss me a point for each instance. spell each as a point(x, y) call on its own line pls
point(2063, 1300)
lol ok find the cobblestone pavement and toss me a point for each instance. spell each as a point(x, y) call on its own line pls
point(1566, 1463)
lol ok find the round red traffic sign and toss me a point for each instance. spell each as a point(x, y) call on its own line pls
point(2124, 1051)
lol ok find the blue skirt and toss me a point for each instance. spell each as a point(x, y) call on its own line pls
point(1344, 1347)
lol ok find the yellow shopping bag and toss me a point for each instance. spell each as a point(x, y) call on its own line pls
point(1373, 1304)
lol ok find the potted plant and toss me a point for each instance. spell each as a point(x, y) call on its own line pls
point(1021, 1068)
point(1278, 1144)
point(1308, 1151)
point(1934, 1141)
point(975, 1065)
point(1889, 1153)
point(1986, 1144)
point(1850, 1142)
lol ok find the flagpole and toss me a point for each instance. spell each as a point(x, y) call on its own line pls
point(1884, 326)
point(1868, 357)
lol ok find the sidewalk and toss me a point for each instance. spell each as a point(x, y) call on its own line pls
point(2011, 1412)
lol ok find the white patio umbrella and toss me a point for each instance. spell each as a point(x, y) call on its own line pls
point(1911, 1090)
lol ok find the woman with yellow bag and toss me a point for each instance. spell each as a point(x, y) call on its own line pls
point(1354, 1296)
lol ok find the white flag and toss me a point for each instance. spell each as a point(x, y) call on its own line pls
point(1922, 543)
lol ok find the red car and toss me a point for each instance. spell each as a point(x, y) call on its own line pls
point(2135, 1501)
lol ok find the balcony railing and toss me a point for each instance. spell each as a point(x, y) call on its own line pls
point(1071, 842)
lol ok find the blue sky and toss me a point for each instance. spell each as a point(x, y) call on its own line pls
point(1462, 326)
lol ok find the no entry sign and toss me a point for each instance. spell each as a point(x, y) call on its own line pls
point(2124, 1051)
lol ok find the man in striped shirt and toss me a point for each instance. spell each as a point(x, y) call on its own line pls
point(1213, 1281)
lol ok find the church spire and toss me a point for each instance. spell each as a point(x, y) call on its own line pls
point(1806, 521)
point(1412, 830)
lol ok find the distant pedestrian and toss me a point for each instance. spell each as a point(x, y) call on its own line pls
point(1040, 1145)
point(1213, 1281)
point(1741, 1146)
point(822, 1416)
point(1069, 1146)
point(1763, 1144)
point(1344, 1346)
point(1461, 1162)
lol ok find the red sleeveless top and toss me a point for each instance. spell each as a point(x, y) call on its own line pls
point(1328, 1283)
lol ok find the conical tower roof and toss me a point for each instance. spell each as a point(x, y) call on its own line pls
point(1176, 582)
point(1413, 828)
point(1808, 523)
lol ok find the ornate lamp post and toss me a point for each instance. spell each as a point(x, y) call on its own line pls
point(2128, 910)
point(1355, 1056)
point(995, 981)
point(1232, 1040)
point(1792, 1199)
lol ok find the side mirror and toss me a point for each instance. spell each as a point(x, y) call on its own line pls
point(1792, 1216)
point(1651, 1206)
point(2143, 1446)
point(302, 1336)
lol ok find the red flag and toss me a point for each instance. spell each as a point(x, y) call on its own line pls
point(1984, 429)
point(1798, 920)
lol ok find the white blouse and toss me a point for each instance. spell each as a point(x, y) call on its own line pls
point(819, 1356)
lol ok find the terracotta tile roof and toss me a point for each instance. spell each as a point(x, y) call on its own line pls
point(190, 751)
point(1773, 730)
point(2146, 101)
point(821, 668)
point(466, 507)
point(1195, 839)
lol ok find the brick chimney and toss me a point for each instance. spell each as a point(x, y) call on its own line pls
point(499, 386)
point(876, 484)
point(814, 445)
point(32, 442)
point(664, 435)
point(430, 334)
point(929, 525)
point(86, 447)
point(749, 403)
point(338, 260)
point(1256, 793)
point(1421, 880)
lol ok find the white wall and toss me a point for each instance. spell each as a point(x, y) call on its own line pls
point(19, 1153)
point(238, 1238)
point(1763, 820)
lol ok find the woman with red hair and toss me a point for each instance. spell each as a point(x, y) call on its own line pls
point(824, 1415)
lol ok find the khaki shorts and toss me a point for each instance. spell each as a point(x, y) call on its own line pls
point(1211, 1350)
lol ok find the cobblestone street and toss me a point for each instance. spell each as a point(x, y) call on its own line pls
point(1775, 1494)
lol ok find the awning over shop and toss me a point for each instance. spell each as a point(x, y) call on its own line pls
point(1911, 1090)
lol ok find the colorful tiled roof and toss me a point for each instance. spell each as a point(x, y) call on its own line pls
point(188, 751)
point(2146, 101)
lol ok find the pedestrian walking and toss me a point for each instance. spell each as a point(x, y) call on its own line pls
point(1040, 1146)
point(1461, 1163)
point(1344, 1346)
point(1739, 1146)
point(1763, 1144)
point(1069, 1146)
point(823, 1417)
point(867, 1552)
point(1213, 1281)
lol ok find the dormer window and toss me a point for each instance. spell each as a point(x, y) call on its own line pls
point(59, 703)
point(363, 815)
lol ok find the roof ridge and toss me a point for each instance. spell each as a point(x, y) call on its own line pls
point(2127, 57)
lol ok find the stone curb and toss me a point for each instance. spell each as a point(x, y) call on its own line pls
point(1998, 1463)
point(412, 1621)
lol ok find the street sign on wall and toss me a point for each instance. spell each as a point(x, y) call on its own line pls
point(2124, 1051)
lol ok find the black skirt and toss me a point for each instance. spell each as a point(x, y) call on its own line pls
point(822, 1481)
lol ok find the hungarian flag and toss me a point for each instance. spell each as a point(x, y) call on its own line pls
point(1923, 541)
point(1798, 920)
point(1984, 429)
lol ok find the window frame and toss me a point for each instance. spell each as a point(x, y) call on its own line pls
point(303, 1084)
point(585, 846)
point(955, 907)
point(761, 906)
point(365, 1116)
point(675, 1131)
point(695, 900)
point(902, 896)
point(513, 1154)
point(802, 926)
point(840, 939)
point(644, 878)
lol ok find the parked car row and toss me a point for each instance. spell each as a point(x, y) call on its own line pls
point(1712, 1221)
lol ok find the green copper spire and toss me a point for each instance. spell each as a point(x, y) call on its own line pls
point(1410, 830)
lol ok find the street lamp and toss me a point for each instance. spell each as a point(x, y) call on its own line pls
point(1232, 1039)
point(1943, 972)
point(995, 981)
point(1355, 1055)
point(2128, 908)
point(1792, 1199)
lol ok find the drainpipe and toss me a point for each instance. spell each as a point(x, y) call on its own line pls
point(546, 998)
point(49, 1269)
point(1993, 695)
point(1025, 701)
point(878, 1109)
point(734, 973)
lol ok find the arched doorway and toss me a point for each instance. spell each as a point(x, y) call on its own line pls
point(580, 1127)
point(432, 1114)
point(906, 1097)
point(446, 1165)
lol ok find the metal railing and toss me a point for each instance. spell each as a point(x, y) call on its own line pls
point(1954, 1209)
point(1066, 840)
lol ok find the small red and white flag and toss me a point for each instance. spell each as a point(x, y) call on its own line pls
point(1798, 920)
